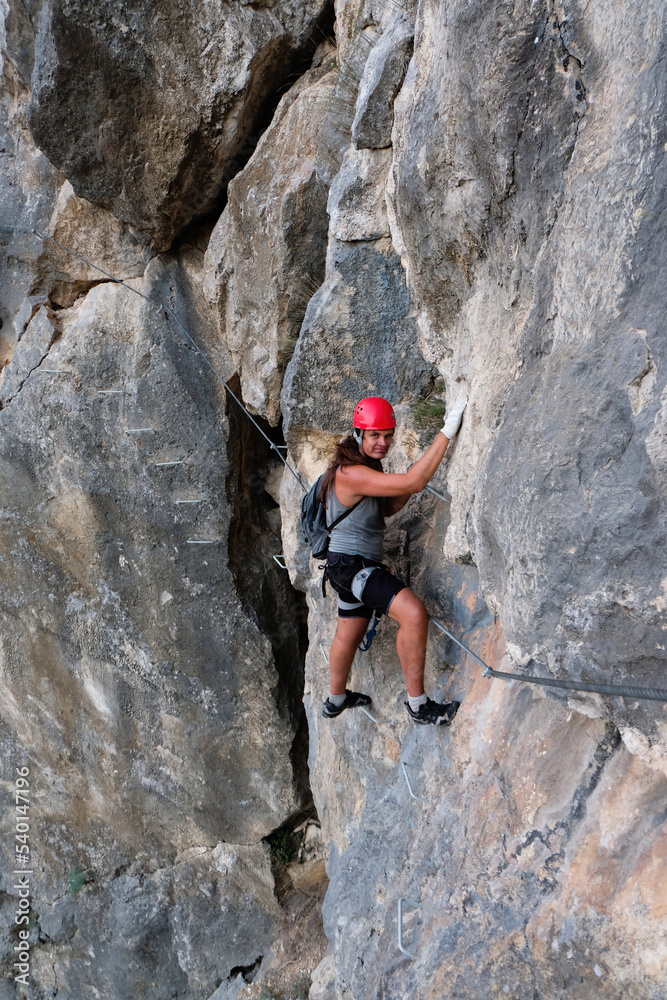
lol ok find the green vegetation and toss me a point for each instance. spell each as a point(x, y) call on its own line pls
point(428, 412)
point(76, 880)
point(301, 987)
point(284, 846)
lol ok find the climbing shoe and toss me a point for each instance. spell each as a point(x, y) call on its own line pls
point(433, 713)
point(352, 699)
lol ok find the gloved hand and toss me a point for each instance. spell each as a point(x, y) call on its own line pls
point(453, 418)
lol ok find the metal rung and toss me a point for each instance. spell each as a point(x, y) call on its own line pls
point(405, 767)
point(112, 392)
point(324, 652)
point(440, 496)
point(411, 902)
point(201, 500)
point(139, 430)
point(378, 722)
point(311, 602)
point(162, 464)
point(202, 541)
point(52, 371)
point(282, 564)
point(159, 307)
point(279, 447)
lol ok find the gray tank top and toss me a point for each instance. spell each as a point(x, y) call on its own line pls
point(362, 532)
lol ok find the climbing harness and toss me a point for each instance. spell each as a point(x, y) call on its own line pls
point(370, 413)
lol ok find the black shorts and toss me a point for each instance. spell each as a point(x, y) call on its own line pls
point(373, 594)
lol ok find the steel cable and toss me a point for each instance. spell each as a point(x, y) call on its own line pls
point(616, 691)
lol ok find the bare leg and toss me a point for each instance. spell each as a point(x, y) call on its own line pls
point(412, 617)
point(349, 634)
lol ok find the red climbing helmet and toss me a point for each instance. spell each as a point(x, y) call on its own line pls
point(374, 413)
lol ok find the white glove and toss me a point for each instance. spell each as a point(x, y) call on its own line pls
point(453, 418)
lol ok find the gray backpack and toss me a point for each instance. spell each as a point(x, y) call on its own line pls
point(314, 525)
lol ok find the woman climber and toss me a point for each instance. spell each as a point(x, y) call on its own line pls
point(355, 482)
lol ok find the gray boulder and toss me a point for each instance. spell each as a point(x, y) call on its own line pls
point(147, 111)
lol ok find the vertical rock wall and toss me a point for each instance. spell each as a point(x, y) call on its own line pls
point(148, 680)
point(440, 190)
point(521, 197)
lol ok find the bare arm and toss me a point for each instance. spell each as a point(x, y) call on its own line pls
point(356, 481)
point(394, 504)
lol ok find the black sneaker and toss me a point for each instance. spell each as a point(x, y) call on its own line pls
point(432, 712)
point(352, 699)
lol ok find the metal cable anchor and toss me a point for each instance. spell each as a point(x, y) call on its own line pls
point(411, 902)
point(378, 722)
point(405, 765)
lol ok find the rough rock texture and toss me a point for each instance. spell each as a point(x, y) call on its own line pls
point(34, 195)
point(179, 914)
point(359, 318)
point(356, 203)
point(380, 83)
point(144, 110)
point(511, 235)
point(541, 247)
point(266, 254)
point(147, 695)
point(502, 141)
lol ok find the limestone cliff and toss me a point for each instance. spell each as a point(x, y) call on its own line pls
point(377, 197)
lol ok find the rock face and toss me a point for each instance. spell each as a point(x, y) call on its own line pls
point(145, 110)
point(154, 709)
point(567, 498)
point(491, 212)
point(381, 81)
point(357, 204)
point(266, 254)
point(556, 486)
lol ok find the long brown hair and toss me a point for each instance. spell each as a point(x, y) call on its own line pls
point(347, 453)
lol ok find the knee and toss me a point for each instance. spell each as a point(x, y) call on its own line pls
point(417, 616)
point(422, 616)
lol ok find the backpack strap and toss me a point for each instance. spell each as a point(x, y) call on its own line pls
point(330, 527)
point(346, 513)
